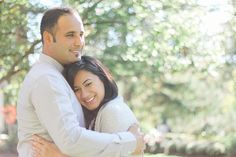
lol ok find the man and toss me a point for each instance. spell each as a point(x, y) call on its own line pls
point(47, 105)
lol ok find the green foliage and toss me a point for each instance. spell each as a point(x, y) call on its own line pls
point(15, 45)
point(159, 155)
point(166, 65)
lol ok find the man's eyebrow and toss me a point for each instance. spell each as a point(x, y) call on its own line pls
point(70, 32)
point(73, 32)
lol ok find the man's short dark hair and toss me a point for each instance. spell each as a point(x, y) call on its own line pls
point(50, 18)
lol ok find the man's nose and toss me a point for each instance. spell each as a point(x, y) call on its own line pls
point(79, 41)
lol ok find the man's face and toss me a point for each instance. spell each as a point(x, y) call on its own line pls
point(69, 39)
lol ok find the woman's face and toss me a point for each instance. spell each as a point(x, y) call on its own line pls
point(89, 89)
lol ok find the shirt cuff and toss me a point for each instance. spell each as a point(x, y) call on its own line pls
point(128, 142)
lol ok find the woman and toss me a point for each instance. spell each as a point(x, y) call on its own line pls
point(97, 92)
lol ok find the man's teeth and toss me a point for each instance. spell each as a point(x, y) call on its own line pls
point(75, 51)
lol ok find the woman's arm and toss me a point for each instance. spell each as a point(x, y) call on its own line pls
point(44, 148)
point(115, 117)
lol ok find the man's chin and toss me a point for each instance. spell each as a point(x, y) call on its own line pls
point(79, 57)
point(76, 58)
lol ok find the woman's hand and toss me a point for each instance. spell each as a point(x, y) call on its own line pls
point(44, 148)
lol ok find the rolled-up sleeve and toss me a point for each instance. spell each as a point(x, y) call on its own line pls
point(54, 109)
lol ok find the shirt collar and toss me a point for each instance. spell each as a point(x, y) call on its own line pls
point(51, 61)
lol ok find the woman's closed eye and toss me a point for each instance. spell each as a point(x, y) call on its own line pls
point(76, 89)
point(88, 84)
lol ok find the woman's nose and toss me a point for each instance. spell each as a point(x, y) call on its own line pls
point(84, 94)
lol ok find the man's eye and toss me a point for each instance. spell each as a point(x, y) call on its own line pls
point(70, 35)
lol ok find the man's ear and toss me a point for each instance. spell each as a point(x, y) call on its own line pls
point(47, 37)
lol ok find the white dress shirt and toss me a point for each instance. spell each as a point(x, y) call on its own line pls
point(48, 107)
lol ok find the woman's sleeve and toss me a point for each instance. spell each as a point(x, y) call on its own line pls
point(116, 118)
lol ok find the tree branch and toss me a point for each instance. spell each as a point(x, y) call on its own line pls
point(105, 22)
point(7, 33)
point(90, 9)
point(13, 69)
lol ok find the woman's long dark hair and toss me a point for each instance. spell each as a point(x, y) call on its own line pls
point(94, 66)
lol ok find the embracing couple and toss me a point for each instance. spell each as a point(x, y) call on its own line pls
point(68, 105)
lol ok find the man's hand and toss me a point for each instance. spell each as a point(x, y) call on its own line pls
point(43, 148)
point(135, 130)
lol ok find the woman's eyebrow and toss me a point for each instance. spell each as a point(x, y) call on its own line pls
point(86, 81)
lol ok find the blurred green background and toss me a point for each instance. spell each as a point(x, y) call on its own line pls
point(174, 61)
